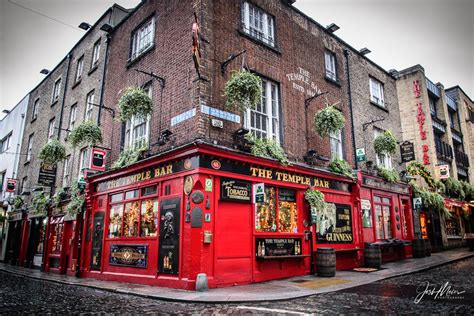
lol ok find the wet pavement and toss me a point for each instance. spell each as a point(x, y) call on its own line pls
point(21, 295)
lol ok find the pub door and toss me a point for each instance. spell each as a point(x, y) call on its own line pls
point(14, 242)
point(233, 252)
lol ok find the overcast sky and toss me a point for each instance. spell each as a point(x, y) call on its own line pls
point(438, 34)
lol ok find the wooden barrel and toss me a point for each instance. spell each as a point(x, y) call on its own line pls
point(427, 247)
point(325, 262)
point(372, 256)
point(419, 248)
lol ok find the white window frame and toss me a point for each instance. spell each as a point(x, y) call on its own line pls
point(336, 145)
point(56, 90)
point(265, 117)
point(89, 105)
point(35, 109)
point(383, 160)
point(6, 142)
point(79, 68)
point(258, 23)
point(66, 168)
point(30, 147)
point(376, 92)
point(51, 126)
point(142, 38)
point(72, 116)
point(133, 126)
point(330, 65)
point(83, 161)
point(95, 53)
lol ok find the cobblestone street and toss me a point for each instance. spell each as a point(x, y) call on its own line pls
point(397, 295)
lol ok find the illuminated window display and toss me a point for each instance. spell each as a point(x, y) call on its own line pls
point(383, 223)
point(130, 219)
point(115, 224)
point(270, 219)
point(149, 218)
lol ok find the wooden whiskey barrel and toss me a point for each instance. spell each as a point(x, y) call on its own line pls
point(325, 262)
point(372, 256)
point(427, 247)
point(419, 248)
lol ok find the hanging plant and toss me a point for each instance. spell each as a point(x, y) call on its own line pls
point(454, 188)
point(267, 148)
point(415, 168)
point(74, 207)
point(430, 200)
point(328, 120)
point(315, 199)
point(129, 156)
point(52, 152)
point(87, 133)
point(468, 190)
point(385, 143)
point(59, 196)
point(341, 166)
point(440, 187)
point(389, 175)
point(40, 204)
point(243, 90)
point(134, 102)
point(18, 203)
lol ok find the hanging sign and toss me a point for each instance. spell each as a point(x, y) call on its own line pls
point(407, 151)
point(235, 190)
point(11, 185)
point(47, 174)
point(97, 161)
point(417, 203)
point(443, 171)
point(360, 154)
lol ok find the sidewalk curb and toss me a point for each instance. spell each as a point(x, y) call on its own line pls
point(229, 301)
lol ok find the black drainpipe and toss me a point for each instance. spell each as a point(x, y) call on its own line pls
point(346, 53)
point(64, 95)
point(103, 78)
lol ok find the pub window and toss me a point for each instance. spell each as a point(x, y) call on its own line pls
point(383, 160)
point(336, 144)
point(258, 24)
point(130, 219)
point(57, 238)
point(131, 194)
point(149, 190)
point(149, 218)
point(115, 224)
point(330, 63)
point(143, 38)
point(273, 216)
point(383, 223)
point(116, 197)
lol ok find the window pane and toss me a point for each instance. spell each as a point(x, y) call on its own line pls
point(149, 190)
point(149, 218)
point(130, 219)
point(387, 222)
point(115, 223)
point(131, 194)
point(116, 197)
point(386, 200)
point(378, 222)
point(377, 199)
point(287, 212)
point(266, 212)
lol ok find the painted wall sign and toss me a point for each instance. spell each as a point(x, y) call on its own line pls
point(334, 224)
point(301, 81)
point(168, 252)
point(235, 190)
point(129, 255)
point(47, 175)
point(274, 247)
point(380, 184)
point(183, 117)
point(421, 121)
point(407, 151)
point(220, 114)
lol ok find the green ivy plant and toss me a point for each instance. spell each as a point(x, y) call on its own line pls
point(315, 199)
point(129, 156)
point(430, 200)
point(40, 204)
point(440, 187)
point(86, 133)
point(454, 188)
point(59, 196)
point(267, 148)
point(74, 207)
point(385, 143)
point(389, 175)
point(340, 166)
point(243, 90)
point(415, 168)
point(18, 203)
point(328, 120)
point(52, 152)
point(134, 101)
point(468, 189)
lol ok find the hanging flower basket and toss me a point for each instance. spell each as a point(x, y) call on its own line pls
point(341, 166)
point(389, 175)
point(40, 204)
point(87, 133)
point(74, 207)
point(52, 152)
point(267, 148)
point(243, 90)
point(18, 203)
point(315, 199)
point(328, 120)
point(129, 156)
point(454, 188)
point(385, 143)
point(134, 102)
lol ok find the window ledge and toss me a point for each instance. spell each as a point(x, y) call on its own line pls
point(131, 61)
point(26, 162)
point(54, 102)
point(33, 119)
point(76, 83)
point(332, 81)
point(93, 68)
point(260, 42)
point(379, 106)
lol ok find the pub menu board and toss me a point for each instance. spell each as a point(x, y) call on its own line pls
point(135, 256)
point(168, 252)
point(235, 190)
point(274, 247)
point(334, 224)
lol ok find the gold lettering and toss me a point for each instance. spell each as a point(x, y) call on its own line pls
point(278, 174)
point(326, 184)
point(157, 172)
point(254, 171)
point(169, 169)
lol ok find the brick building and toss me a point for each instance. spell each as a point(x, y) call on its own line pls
point(57, 104)
point(197, 187)
point(435, 120)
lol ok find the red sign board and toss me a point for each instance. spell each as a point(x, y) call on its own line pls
point(97, 161)
point(421, 121)
point(11, 185)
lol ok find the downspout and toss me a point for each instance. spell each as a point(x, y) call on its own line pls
point(103, 79)
point(349, 92)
